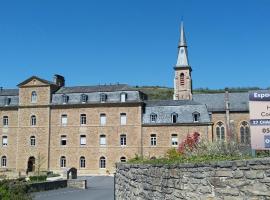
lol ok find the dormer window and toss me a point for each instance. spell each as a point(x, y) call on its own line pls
point(84, 98)
point(34, 97)
point(174, 117)
point(65, 98)
point(7, 101)
point(123, 97)
point(196, 117)
point(103, 98)
point(153, 118)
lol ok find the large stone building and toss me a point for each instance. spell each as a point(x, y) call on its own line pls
point(50, 126)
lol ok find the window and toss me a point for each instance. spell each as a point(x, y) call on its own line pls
point(174, 139)
point(64, 119)
point(65, 98)
point(123, 97)
point(153, 140)
point(63, 161)
point(244, 133)
point(7, 101)
point(3, 161)
point(32, 141)
point(5, 140)
point(84, 98)
point(123, 159)
point(82, 162)
point(33, 121)
point(102, 162)
point(102, 140)
point(63, 140)
point(196, 117)
point(103, 98)
point(123, 140)
point(174, 117)
point(83, 139)
point(5, 121)
point(153, 118)
point(182, 79)
point(102, 119)
point(34, 97)
point(220, 131)
point(123, 118)
point(83, 119)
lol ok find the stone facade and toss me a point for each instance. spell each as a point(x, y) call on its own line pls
point(226, 180)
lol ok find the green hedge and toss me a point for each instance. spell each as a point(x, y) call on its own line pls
point(38, 178)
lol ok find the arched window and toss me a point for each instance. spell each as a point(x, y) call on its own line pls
point(244, 133)
point(123, 159)
point(3, 161)
point(102, 162)
point(33, 121)
point(82, 162)
point(153, 118)
point(32, 141)
point(174, 117)
point(182, 79)
point(33, 97)
point(220, 131)
point(63, 161)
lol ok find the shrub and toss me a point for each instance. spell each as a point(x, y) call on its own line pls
point(38, 178)
point(189, 144)
point(13, 190)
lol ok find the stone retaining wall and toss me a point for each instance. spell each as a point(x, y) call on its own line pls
point(47, 185)
point(77, 183)
point(226, 180)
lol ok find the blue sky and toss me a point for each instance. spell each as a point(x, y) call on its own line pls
point(135, 41)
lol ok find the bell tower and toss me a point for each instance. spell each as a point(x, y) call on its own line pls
point(182, 78)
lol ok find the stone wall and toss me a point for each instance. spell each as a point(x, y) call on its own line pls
point(226, 180)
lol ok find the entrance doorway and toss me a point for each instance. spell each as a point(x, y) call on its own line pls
point(31, 164)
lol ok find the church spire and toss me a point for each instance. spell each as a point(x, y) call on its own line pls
point(182, 78)
point(182, 57)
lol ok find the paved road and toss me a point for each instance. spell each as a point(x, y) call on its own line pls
point(99, 188)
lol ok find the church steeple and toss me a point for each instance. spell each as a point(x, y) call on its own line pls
point(182, 59)
point(182, 79)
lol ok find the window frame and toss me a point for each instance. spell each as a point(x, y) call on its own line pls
point(153, 139)
point(102, 140)
point(82, 162)
point(32, 141)
point(153, 118)
point(220, 131)
point(84, 98)
point(63, 162)
point(123, 119)
point(174, 117)
point(196, 117)
point(4, 140)
point(5, 121)
point(103, 97)
point(62, 139)
point(64, 116)
point(83, 119)
point(4, 161)
point(123, 159)
point(123, 140)
point(33, 97)
point(33, 120)
point(123, 97)
point(102, 162)
point(82, 138)
point(103, 119)
point(174, 143)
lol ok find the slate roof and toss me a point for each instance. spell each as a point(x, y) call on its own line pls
point(94, 88)
point(216, 102)
point(183, 108)
point(36, 77)
point(9, 92)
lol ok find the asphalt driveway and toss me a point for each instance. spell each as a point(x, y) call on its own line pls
point(99, 188)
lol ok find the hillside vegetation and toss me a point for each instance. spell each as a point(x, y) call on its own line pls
point(166, 93)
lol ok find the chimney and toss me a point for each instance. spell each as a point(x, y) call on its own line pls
point(59, 80)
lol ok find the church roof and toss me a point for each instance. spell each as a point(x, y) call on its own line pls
point(216, 102)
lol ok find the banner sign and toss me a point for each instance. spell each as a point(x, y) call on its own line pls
point(259, 111)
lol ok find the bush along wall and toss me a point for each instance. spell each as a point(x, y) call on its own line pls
point(224, 180)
